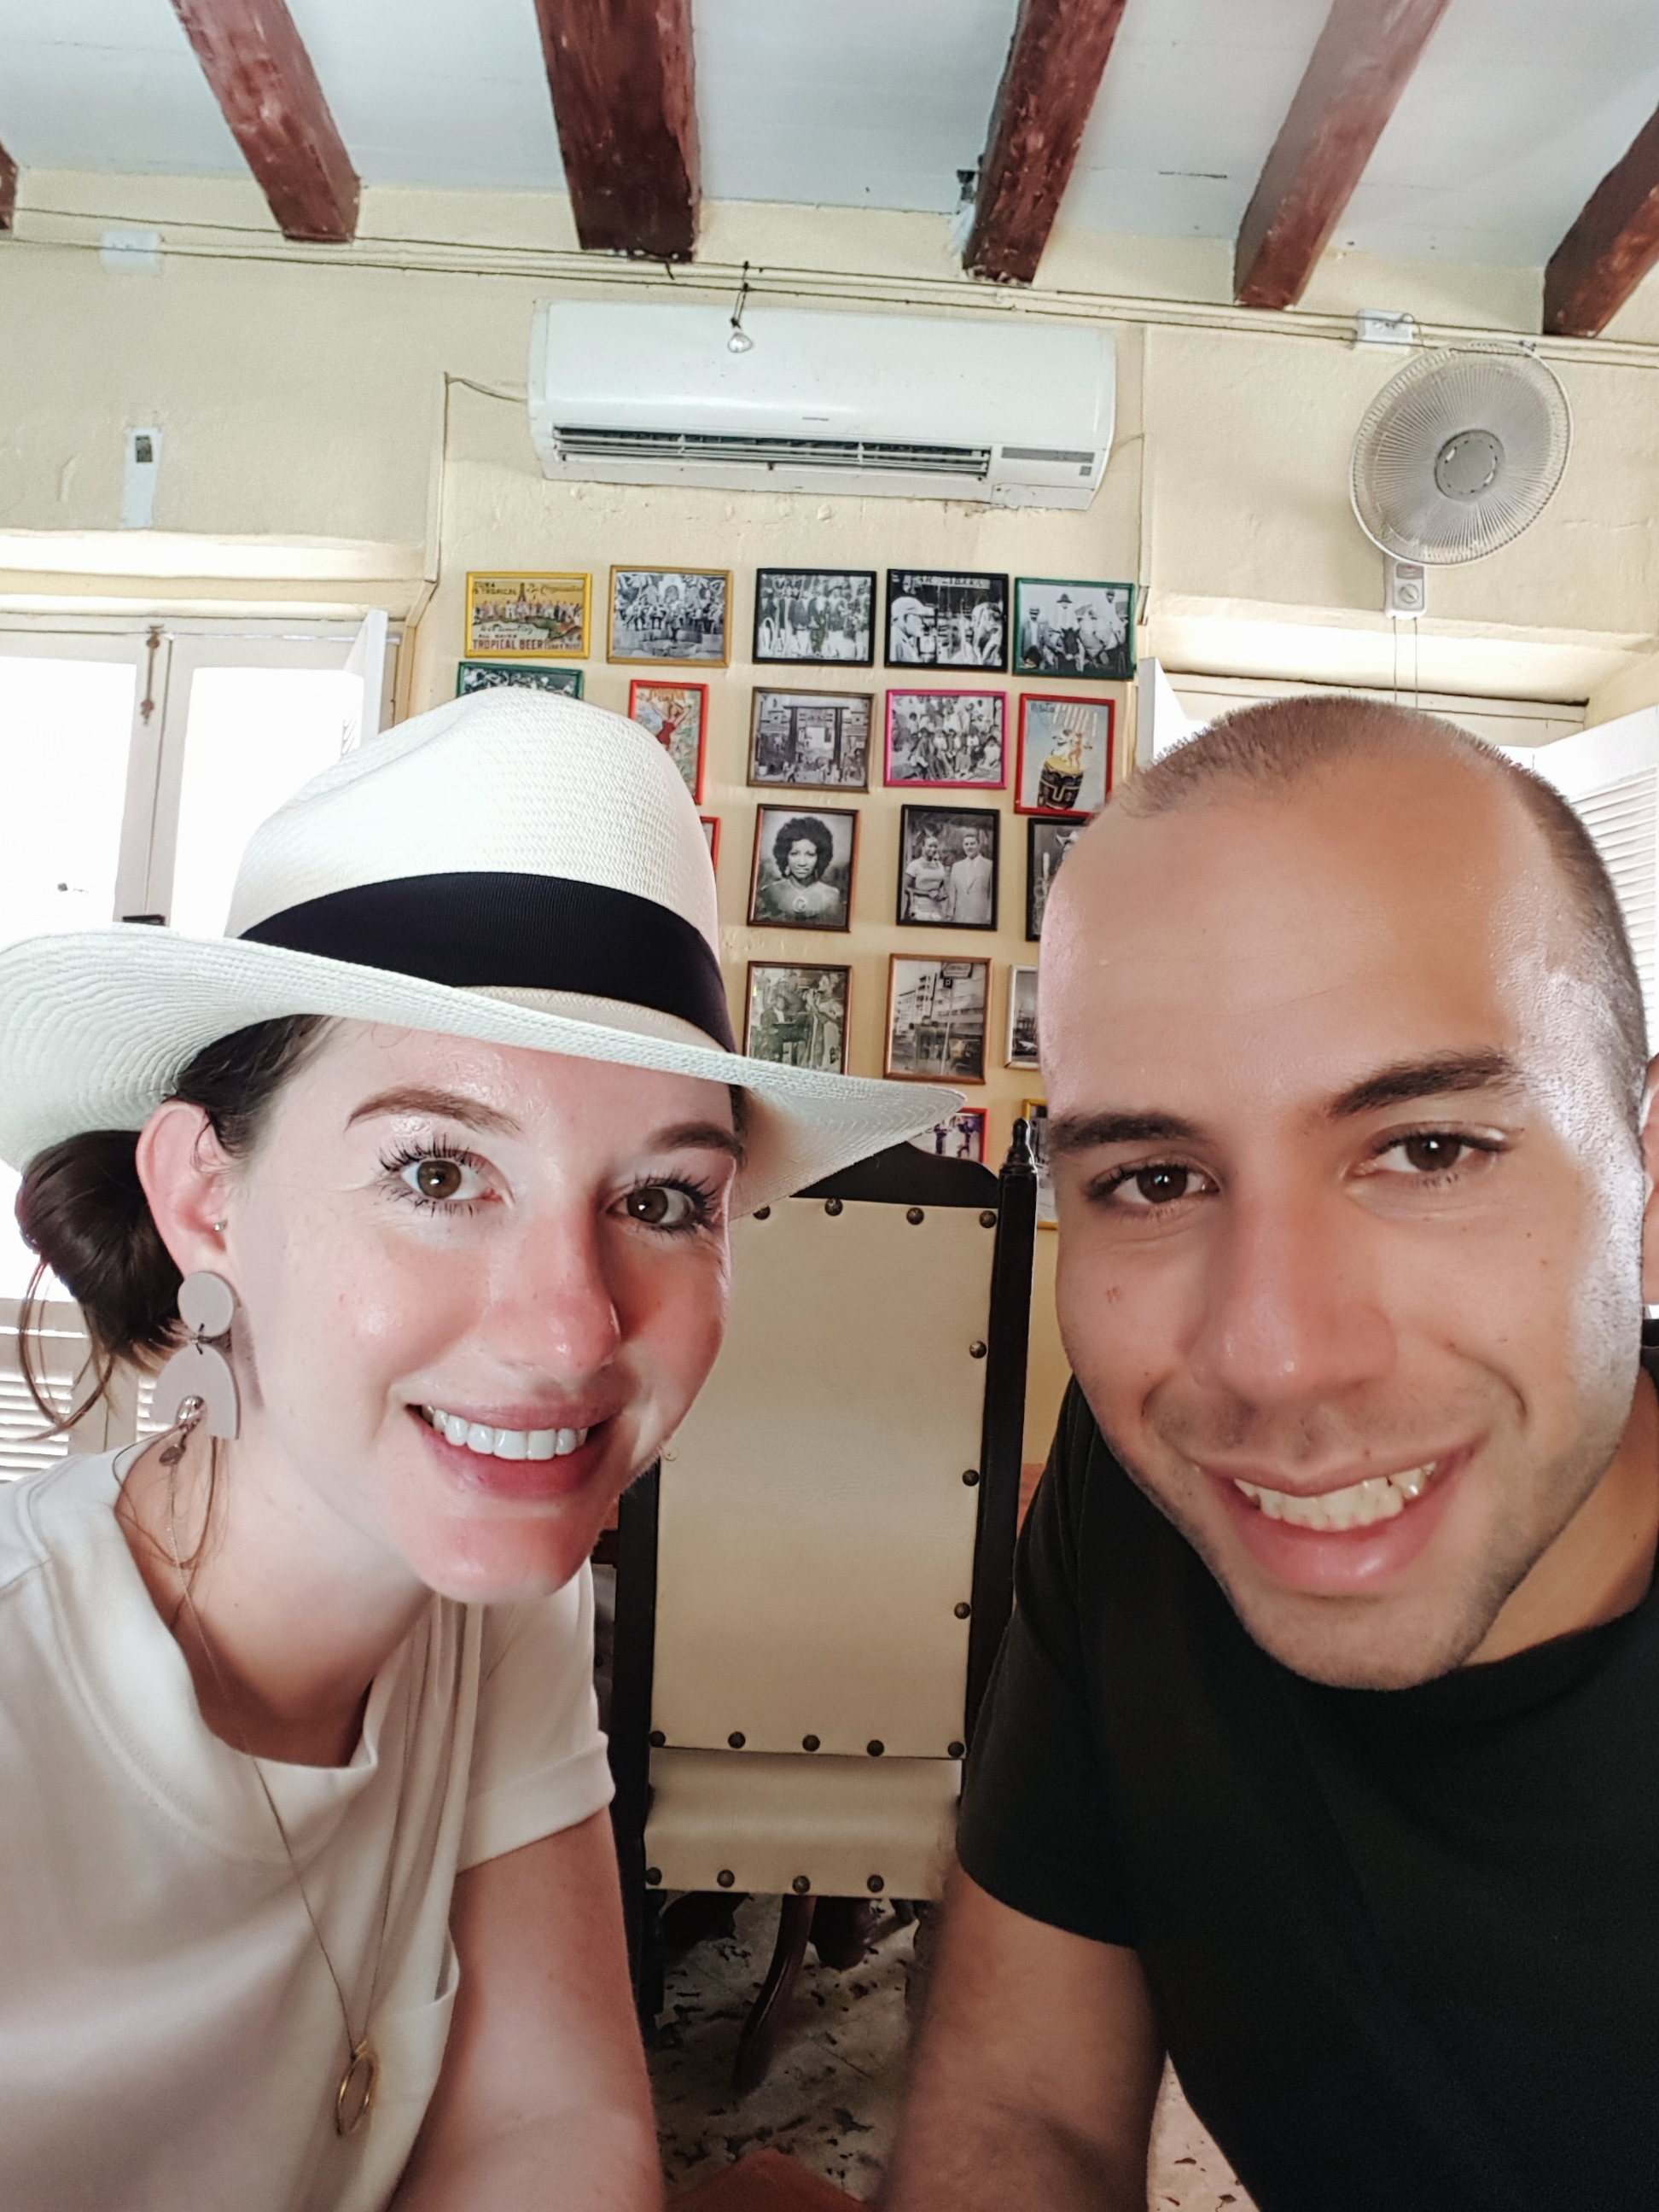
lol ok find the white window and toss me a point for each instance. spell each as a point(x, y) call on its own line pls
point(136, 764)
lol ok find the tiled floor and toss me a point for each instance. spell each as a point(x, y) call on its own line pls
point(833, 2095)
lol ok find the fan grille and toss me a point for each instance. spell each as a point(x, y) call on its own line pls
point(1435, 399)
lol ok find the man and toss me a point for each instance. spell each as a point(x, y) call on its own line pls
point(972, 881)
point(1323, 1750)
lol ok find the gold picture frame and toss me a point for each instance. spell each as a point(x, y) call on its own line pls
point(671, 621)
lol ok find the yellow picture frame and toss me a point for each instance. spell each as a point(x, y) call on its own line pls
point(545, 616)
point(669, 619)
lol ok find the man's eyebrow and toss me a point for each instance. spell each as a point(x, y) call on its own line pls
point(413, 1102)
point(1082, 1133)
point(697, 1136)
point(1440, 1073)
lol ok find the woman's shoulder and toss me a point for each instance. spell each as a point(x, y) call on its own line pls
point(54, 1508)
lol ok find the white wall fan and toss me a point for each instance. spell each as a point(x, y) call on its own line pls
point(1456, 456)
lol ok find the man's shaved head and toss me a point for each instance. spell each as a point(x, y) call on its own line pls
point(1344, 1052)
point(1269, 749)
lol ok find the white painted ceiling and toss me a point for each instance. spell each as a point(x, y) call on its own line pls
point(1518, 109)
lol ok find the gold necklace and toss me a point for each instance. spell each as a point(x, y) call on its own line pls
point(355, 2094)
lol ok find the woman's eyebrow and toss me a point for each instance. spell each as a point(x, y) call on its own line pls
point(697, 1136)
point(436, 1106)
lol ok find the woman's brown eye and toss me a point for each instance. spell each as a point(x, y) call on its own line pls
point(437, 1178)
point(652, 1206)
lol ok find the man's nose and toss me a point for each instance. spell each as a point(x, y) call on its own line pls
point(553, 1306)
point(1292, 1313)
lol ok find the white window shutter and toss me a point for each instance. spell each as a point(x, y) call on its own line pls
point(1161, 721)
point(367, 661)
point(1610, 776)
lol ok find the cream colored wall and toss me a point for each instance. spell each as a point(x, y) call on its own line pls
point(314, 456)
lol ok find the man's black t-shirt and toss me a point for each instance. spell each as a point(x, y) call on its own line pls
point(1403, 1945)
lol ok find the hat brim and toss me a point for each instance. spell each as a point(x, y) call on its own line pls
point(96, 1027)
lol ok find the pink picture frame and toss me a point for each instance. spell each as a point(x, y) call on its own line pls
point(945, 740)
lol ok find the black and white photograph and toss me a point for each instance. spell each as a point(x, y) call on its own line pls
point(1035, 1114)
point(961, 1138)
point(803, 871)
point(484, 675)
point(1022, 1017)
point(944, 738)
point(936, 1020)
point(809, 615)
point(670, 614)
point(1081, 630)
point(948, 866)
point(936, 619)
point(1047, 843)
point(797, 1016)
point(815, 740)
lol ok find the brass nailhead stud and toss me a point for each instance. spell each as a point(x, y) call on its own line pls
point(988, 1219)
point(737, 1739)
point(875, 1885)
point(955, 1750)
point(763, 1213)
point(963, 1610)
point(652, 1877)
point(809, 1743)
point(657, 1739)
point(976, 1349)
point(726, 1877)
point(832, 1206)
point(915, 1216)
point(970, 1476)
point(875, 1748)
point(800, 1884)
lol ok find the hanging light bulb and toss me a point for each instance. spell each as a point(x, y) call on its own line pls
point(740, 341)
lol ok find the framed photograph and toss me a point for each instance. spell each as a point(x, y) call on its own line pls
point(803, 871)
point(1065, 754)
point(1071, 629)
point(946, 738)
point(1022, 1017)
point(815, 740)
point(806, 616)
point(797, 1016)
point(936, 1020)
point(961, 1138)
point(1048, 839)
point(542, 615)
point(1036, 1112)
point(677, 715)
point(711, 830)
point(670, 614)
point(481, 675)
point(936, 619)
point(948, 866)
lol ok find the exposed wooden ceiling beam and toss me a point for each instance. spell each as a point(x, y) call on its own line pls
point(1055, 64)
point(1612, 246)
point(620, 74)
point(7, 191)
point(262, 77)
point(1362, 63)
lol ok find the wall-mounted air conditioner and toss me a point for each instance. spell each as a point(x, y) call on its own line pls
point(1012, 412)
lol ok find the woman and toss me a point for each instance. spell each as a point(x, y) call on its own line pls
point(309, 1896)
point(927, 883)
point(801, 852)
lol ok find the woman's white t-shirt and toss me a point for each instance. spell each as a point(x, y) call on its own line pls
point(170, 2041)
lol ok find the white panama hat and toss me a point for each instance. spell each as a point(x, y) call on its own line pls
point(513, 866)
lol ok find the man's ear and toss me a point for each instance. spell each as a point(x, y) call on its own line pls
point(187, 1178)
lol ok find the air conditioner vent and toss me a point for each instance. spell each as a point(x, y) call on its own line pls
point(1047, 453)
point(578, 442)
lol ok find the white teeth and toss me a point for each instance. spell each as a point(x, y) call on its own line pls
point(1362, 1504)
point(504, 1443)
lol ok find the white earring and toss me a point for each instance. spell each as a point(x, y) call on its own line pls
point(200, 1372)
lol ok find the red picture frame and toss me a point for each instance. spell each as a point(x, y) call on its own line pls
point(1088, 777)
point(945, 733)
point(690, 769)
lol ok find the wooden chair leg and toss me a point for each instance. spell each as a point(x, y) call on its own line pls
point(844, 1931)
point(762, 2030)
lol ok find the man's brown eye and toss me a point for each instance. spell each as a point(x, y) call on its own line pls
point(438, 1178)
point(1159, 1186)
point(1431, 1154)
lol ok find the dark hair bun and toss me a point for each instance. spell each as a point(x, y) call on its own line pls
point(82, 1209)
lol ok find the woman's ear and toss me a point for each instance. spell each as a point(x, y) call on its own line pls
point(185, 1177)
